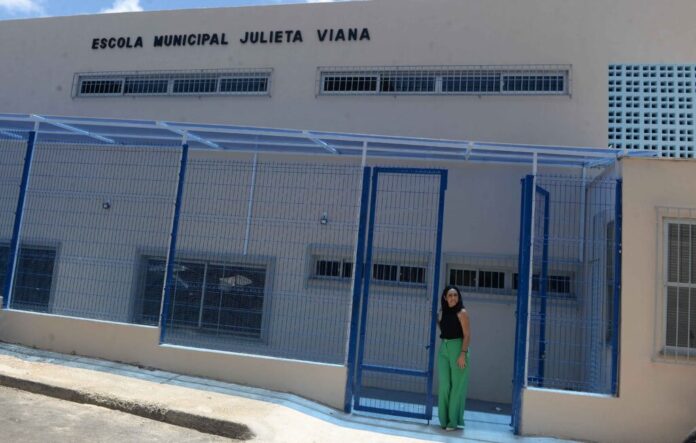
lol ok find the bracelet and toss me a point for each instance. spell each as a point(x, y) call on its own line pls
point(465, 352)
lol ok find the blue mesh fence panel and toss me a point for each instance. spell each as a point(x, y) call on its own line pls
point(90, 211)
point(572, 284)
point(12, 150)
point(264, 260)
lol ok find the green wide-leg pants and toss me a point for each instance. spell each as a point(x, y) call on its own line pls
point(454, 383)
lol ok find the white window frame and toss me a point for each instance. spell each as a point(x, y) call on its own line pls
point(676, 353)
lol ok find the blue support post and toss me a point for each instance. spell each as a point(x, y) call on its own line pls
point(171, 254)
point(543, 290)
point(436, 288)
point(366, 285)
point(522, 299)
point(13, 259)
point(616, 313)
point(357, 280)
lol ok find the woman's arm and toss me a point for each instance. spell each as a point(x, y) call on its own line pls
point(464, 322)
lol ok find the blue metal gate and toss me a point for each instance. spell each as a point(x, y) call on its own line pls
point(400, 291)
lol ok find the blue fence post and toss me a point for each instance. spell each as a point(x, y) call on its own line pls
point(171, 254)
point(543, 288)
point(357, 279)
point(13, 259)
point(436, 290)
point(522, 299)
point(616, 317)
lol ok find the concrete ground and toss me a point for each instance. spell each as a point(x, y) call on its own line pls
point(33, 418)
point(214, 407)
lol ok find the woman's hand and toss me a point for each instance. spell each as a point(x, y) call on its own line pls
point(461, 361)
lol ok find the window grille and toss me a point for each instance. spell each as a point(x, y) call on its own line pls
point(411, 274)
point(492, 279)
point(101, 87)
point(555, 284)
point(446, 80)
point(500, 278)
point(146, 86)
point(680, 288)
point(173, 83)
point(333, 268)
point(382, 272)
point(463, 278)
point(651, 107)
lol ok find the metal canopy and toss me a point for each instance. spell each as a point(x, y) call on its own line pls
point(114, 132)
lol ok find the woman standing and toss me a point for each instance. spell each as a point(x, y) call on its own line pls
point(453, 359)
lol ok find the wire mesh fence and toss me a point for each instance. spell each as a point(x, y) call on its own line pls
point(264, 260)
point(573, 330)
point(88, 210)
point(12, 151)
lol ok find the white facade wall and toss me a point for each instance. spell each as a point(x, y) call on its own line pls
point(41, 57)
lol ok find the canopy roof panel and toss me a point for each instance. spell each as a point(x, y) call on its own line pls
point(114, 132)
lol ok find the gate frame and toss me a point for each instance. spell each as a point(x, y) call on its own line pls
point(524, 296)
point(360, 299)
point(523, 290)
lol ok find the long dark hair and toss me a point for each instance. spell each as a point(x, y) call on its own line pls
point(443, 302)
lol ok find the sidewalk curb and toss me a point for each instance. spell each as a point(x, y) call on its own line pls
point(151, 411)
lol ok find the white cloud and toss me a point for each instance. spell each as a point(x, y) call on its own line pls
point(22, 6)
point(123, 6)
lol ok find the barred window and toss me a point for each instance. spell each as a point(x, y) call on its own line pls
point(398, 273)
point(333, 268)
point(384, 272)
point(348, 83)
point(463, 278)
point(497, 280)
point(450, 80)
point(207, 297)
point(680, 288)
point(195, 85)
point(145, 86)
point(533, 83)
point(244, 84)
point(471, 83)
point(408, 83)
point(492, 279)
point(33, 277)
point(411, 274)
point(173, 83)
point(555, 284)
point(101, 87)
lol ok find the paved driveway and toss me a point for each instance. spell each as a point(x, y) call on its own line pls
point(26, 417)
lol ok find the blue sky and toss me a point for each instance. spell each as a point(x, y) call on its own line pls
point(14, 9)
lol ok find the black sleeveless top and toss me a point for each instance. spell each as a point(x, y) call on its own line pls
point(450, 327)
